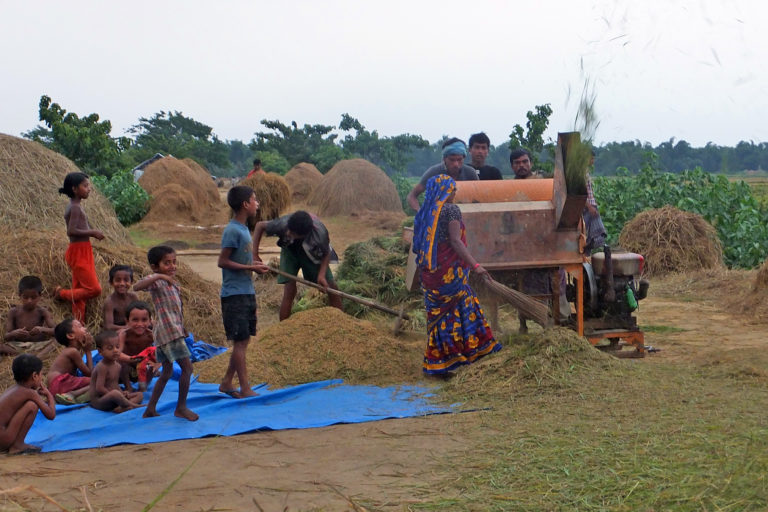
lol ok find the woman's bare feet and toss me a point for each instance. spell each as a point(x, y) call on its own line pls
point(186, 414)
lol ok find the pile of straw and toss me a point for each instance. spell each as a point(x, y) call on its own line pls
point(354, 186)
point(672, 240)
point(302, 178)
point(272, 192)
point(321, 344)
point(31, 175)
point(761, 279)
point(193, 184)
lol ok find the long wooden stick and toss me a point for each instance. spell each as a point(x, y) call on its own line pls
point(353, 298)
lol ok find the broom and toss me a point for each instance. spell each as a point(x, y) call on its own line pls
point(530, 308)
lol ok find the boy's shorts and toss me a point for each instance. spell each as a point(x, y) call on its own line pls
point(172, 351)
point(292, 261)
point(238, 313)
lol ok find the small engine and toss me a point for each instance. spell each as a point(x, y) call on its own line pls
point(612, 289)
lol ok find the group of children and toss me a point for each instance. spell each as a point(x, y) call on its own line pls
point(132, 341)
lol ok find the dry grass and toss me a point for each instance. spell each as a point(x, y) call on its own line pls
point(321, 344)
point(355, 186)
point(672, 240)
point(272, 192)
point(172, 201)
point(302, 178)
point(29, 198)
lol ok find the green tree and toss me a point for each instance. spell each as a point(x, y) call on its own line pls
point(172, 133)
point(532, 138)
point(310, 143)
point(272, 161)
point(391, 153)
point(84, 140)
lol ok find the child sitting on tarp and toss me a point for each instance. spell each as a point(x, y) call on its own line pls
point(29, 327)
point(105, 391)
point(137, 353)
point(63, 382)
point(20, 403)
point(121, 280)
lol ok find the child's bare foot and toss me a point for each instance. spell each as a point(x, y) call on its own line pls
point(150, 413)
point(186, 414)
point(247, 392)
point(24, 449)
point(231, 392)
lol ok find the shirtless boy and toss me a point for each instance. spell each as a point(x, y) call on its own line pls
point(121, 279)
point(29, 324)
point(137, 353)
point(105, 391)
point(20, 403)
point(63, 382)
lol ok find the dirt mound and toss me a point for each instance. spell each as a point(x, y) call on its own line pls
point(303, 178)
point(189, 176)
point(321, 344)
point(354, 186)
point(272, 192)
point(31, 175)
point(173, 201)
point(672, 240)
point(41, 253)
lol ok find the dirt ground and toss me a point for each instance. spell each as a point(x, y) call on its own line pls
point(383, 465)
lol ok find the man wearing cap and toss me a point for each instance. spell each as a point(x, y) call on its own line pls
point(454, 152)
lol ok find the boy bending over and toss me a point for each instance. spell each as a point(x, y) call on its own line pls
point(63, 382)
point(105, 391)
point(20, 403)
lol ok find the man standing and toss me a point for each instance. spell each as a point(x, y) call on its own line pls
point(479, 145)
point(256, 168)
point(454, 152)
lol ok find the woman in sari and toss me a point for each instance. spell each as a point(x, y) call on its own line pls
point(458, 333)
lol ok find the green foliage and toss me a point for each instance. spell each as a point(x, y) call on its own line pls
point(403, 186)
point(390, 153)
point(532, 138)
point(172, 133)
point(310, 143)
point(375, 269)
point(738, 217)
point(84, 140)
point(129, 200)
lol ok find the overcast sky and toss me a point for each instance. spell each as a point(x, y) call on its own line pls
point(692, 70)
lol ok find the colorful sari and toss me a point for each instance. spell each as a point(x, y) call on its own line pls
point(457, 331)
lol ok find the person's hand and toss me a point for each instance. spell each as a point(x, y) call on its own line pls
point(22, 333)
point(35, 330)
point(481, 271)
point(88, 342)
point(98, 235)
point(260, 269)
point(166, 277)
point(591, 209)
point(322, 281)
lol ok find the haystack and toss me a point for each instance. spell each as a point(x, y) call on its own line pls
point(302, 178)
point(761, 279)
point(321, 344)
point(272, 192)
point(353, 186)
point(672, 240)
point(190, 176)
point(173, 201)
point(31, 175)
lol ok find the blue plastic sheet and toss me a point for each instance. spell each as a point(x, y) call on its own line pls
point(316, 404)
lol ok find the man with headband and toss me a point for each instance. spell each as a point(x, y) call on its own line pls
point(454, 152)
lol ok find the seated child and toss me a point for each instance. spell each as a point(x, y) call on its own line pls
point(105, 391)
point(137, 353)
point(20, 403)
point(63, 382)
point(121, 279)
point(29, 327)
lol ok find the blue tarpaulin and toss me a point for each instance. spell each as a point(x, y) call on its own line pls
point(316, 404)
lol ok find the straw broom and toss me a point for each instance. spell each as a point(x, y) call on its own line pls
point(530, 308)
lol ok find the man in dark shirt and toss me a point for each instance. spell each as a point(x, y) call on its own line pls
point(304, 245)
point(479, 145)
